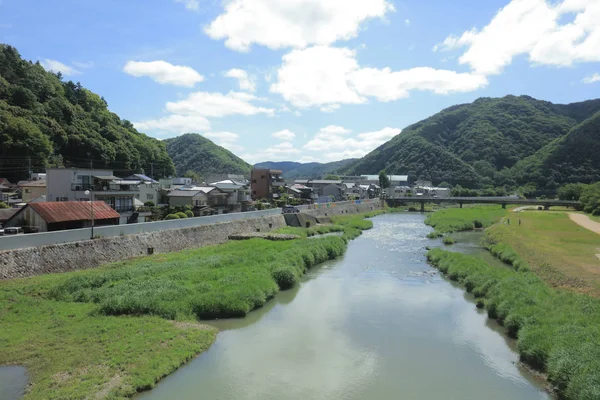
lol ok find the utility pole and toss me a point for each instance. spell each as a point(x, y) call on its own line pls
point(92, 193)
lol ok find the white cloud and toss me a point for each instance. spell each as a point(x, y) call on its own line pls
point(280, 152)
point(292, 23)
point(164, 72)
point(217, 105)
point(407, 21)
point(329, 76)
point(193, 5)
point(532, 27)
point(83, 65)
point(174, 124)
point(225, 139)
point(334, 144)
point(285, 134)
point(56, 66)
point(242, 76)
point(592, 78)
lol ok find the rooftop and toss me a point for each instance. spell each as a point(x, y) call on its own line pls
point(37, 183)
point(325, 182)
point(63, 211)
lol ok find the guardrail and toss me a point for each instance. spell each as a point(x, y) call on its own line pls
point(74, 235)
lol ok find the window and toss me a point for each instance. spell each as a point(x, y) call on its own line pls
point(262, 177)
point(27, 190)
point(253, 180)
point(149, 196)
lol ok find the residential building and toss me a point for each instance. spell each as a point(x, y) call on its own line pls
point(265, 183)
point(224, 177)
point(199, 197)
point(334, 191)
point(141, 177)
point(423, 183)
point(6, 214)
point(301, 192)
point(395, 180)
point(239, 197)
point(71, 184)
point(398, 191)
point(319, 184)
point(32, 189)
point(56, 216)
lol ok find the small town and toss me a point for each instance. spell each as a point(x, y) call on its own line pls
point(61, 198)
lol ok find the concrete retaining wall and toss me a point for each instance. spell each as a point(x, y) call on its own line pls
point(62, 257)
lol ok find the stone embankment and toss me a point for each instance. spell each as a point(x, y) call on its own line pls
point(19, 263)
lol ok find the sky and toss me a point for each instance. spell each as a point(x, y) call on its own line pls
point(307, 80)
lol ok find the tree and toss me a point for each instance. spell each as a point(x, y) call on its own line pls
point(571, 191)
point(331, 177)
point(445, 185)
point(384, 181)
point(528, 190)
point(590, 198)
point(3, 205)
point(196, 177)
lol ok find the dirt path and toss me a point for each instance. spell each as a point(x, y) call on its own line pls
point(585, 221)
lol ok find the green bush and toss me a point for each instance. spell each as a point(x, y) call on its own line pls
point(434, 235)
point(181, 215)
point(187, 207)
point(189, 214)
point(449, 220)
point(149, 204)
point(285, 277)
point(558, 330)
point(448, 240)
point(172, 216)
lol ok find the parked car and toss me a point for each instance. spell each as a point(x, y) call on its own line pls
point(13, 231)
point(289, 210)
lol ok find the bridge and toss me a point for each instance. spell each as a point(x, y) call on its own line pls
point(546, 203)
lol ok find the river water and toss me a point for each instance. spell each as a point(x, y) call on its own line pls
point(377, 323)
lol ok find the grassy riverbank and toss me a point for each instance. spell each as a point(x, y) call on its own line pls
point(112, 331)
point(558, 250)
point(558, 331)
point(449, 220)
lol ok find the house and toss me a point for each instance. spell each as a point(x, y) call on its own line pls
point(371, 190)
point(319, 184)
point(82, 184)
point(224, 177)
point(334, 191)
point(56, 216)
point(140, 177)
point(198, 197)
point(301, 192)
point(238, 193)
point(423, 183)
point(6, 214)
point(265, 183)
point(32, 189)
point(395, 180)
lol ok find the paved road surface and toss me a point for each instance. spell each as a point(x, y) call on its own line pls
point(585, 221)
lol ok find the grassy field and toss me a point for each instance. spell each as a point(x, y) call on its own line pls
point(449, 220)
point(112, 331)
point(558, 250)
point(558, 330)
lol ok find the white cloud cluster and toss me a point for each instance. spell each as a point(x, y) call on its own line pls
point(285, 134)
point(532, 27)
point(229, 140)
point(592, 78)
point(190, 114)
point(292, 23)
point(284, 151)
point(164, 72)
point(335, 143)
point(193, 5)
point(336, 78)
point(57, 66)
point(243, 79)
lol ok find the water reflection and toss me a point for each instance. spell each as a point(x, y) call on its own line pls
point(13, 380)
point(377, 323)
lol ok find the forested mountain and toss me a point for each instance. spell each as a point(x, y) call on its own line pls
point(311, 170)
point(572, 158)
point(57, 123)
point(478, 143)
point(194, 152)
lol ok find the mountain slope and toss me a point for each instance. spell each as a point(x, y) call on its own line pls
point(477, 140)
point(54, 123)
point(195, 152)
point(311, 170)
point(572, 158)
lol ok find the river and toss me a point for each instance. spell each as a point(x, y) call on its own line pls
point(377, 323)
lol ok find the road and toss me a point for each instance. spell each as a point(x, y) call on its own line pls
point(585, 221)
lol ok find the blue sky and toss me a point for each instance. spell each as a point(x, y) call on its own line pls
point(307, 80)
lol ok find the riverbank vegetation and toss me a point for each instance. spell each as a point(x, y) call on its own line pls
point(555, 248)
point(558, 331)
point(449, 220)
point(116, 330)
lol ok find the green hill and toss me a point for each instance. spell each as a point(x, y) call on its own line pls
point(477, 143)
point(196, 153)
point(54, 123)
point(571, 158)
point(311, 170)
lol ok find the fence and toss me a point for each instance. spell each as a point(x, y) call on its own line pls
point(75, 235)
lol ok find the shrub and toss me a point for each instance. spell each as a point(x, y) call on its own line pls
point(189, 214)
point(187, 207)
point(181, 215)
point(149, 204)
point(285, 277)
point(172, 216)
point(448, 240)
point(434, 235)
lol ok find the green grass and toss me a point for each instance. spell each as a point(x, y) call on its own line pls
point(558, 250)
point(449, 220)
point(448, 240)
point(558, 331)
point(119, 328)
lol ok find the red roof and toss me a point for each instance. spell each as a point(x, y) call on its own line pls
point(62, 211)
